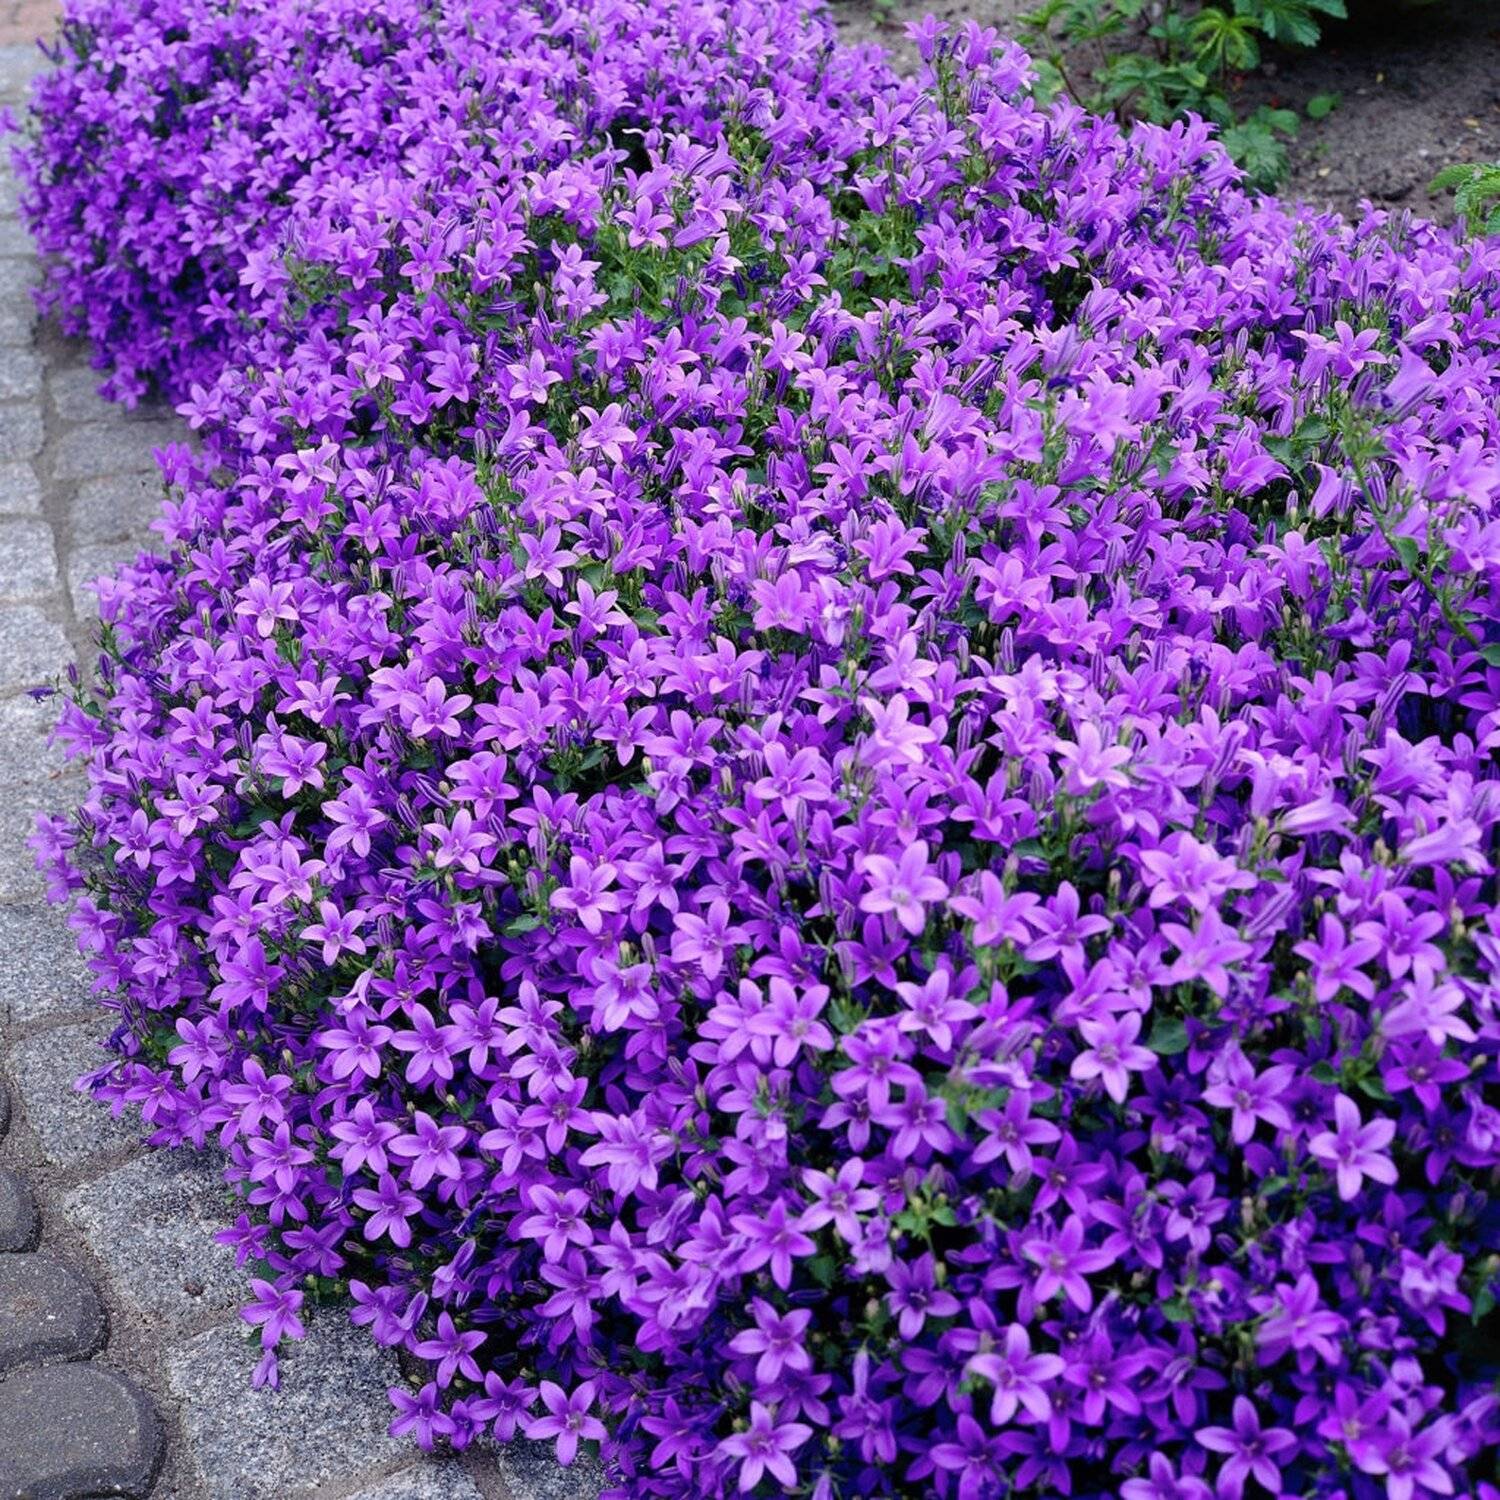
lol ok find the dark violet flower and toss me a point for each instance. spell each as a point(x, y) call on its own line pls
point(1250, 1451)
point(1018, 1376)
point(274, 1312)
point(765, 1447)
point(567, 1419)
point(1353, 1150)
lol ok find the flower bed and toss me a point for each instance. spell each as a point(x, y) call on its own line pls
point(810, 790)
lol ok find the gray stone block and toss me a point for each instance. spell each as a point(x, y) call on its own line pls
point(73, 1127)
point(46, 1312)
point(20, 490)
point(20, 369)
point(531, 1472)
point(19, 880)
point(20, 1227)
point(74, 389)
point(327, 1421)
point(27, 753)
point(18, 274)
point(97, 449)
point(117, 509)
point(76, 1430)
point(74, 383)
point(20, 62)
point(34, 651)
point(168, 1269)
point(89, 563)
point(45, 976)
point(17, 320)
point(20, 430)
point(14, 239)
point(433, 1480)
point(28, 560)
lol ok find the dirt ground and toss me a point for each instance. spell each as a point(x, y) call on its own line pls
point(1419, 88)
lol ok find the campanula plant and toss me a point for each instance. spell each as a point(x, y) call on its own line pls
point(808, 787)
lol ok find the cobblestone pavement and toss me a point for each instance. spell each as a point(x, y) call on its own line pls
point(22, 21)
point(124, 1368)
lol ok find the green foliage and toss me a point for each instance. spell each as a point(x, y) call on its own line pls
point(1180, 58)
point(1476, 195)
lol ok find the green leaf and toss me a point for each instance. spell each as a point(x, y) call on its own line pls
point(1491, 654)
point(1320, 106)
point(1177, 1310)
point(526, 922)
point(824, 1269)
point(1409, 553)
point(1168, 1037)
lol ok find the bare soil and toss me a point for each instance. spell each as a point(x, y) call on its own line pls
point(1418, 87)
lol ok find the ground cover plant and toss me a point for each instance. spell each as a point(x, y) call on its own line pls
point(809, 783)
point(1180, 57)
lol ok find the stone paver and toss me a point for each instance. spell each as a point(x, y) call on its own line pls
point(34, 651)
point(20, 429)
point(19, 1225)
point(531, 1470)
point(47, 975)
point(20, 375)
point(72, 1130)
point(47, 1311)
point(27, 753)
point(115, 510)
point(431, 1482)
point(28, 564)
point(109, 448)
point(329, 1415)
point(75, 1430)
point(168, 1270)
point(20, 489)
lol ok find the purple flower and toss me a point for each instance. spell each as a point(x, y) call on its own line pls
point(916, 1296)
point(1251, 1451)
point(757, 625)
point(420, 1415)
point(568, 1419)
point(453, 1350)
point(389, 1206)
point(1297, 1320)
point(777, 1339)
point(1408, 1459)
point(1353, 1150)
point(1251, 1096)
point(904, 887)
point(588, 895)
point(274, 1312)
point(765, 1447)
point(1018, 1377)
point(1112, 1054)
point(775, 1239)
point(1063, 1265)
point(1163, 1483)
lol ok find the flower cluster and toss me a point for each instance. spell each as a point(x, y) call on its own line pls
point(809, 788)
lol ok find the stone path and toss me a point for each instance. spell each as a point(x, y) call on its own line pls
point(124, 1368)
